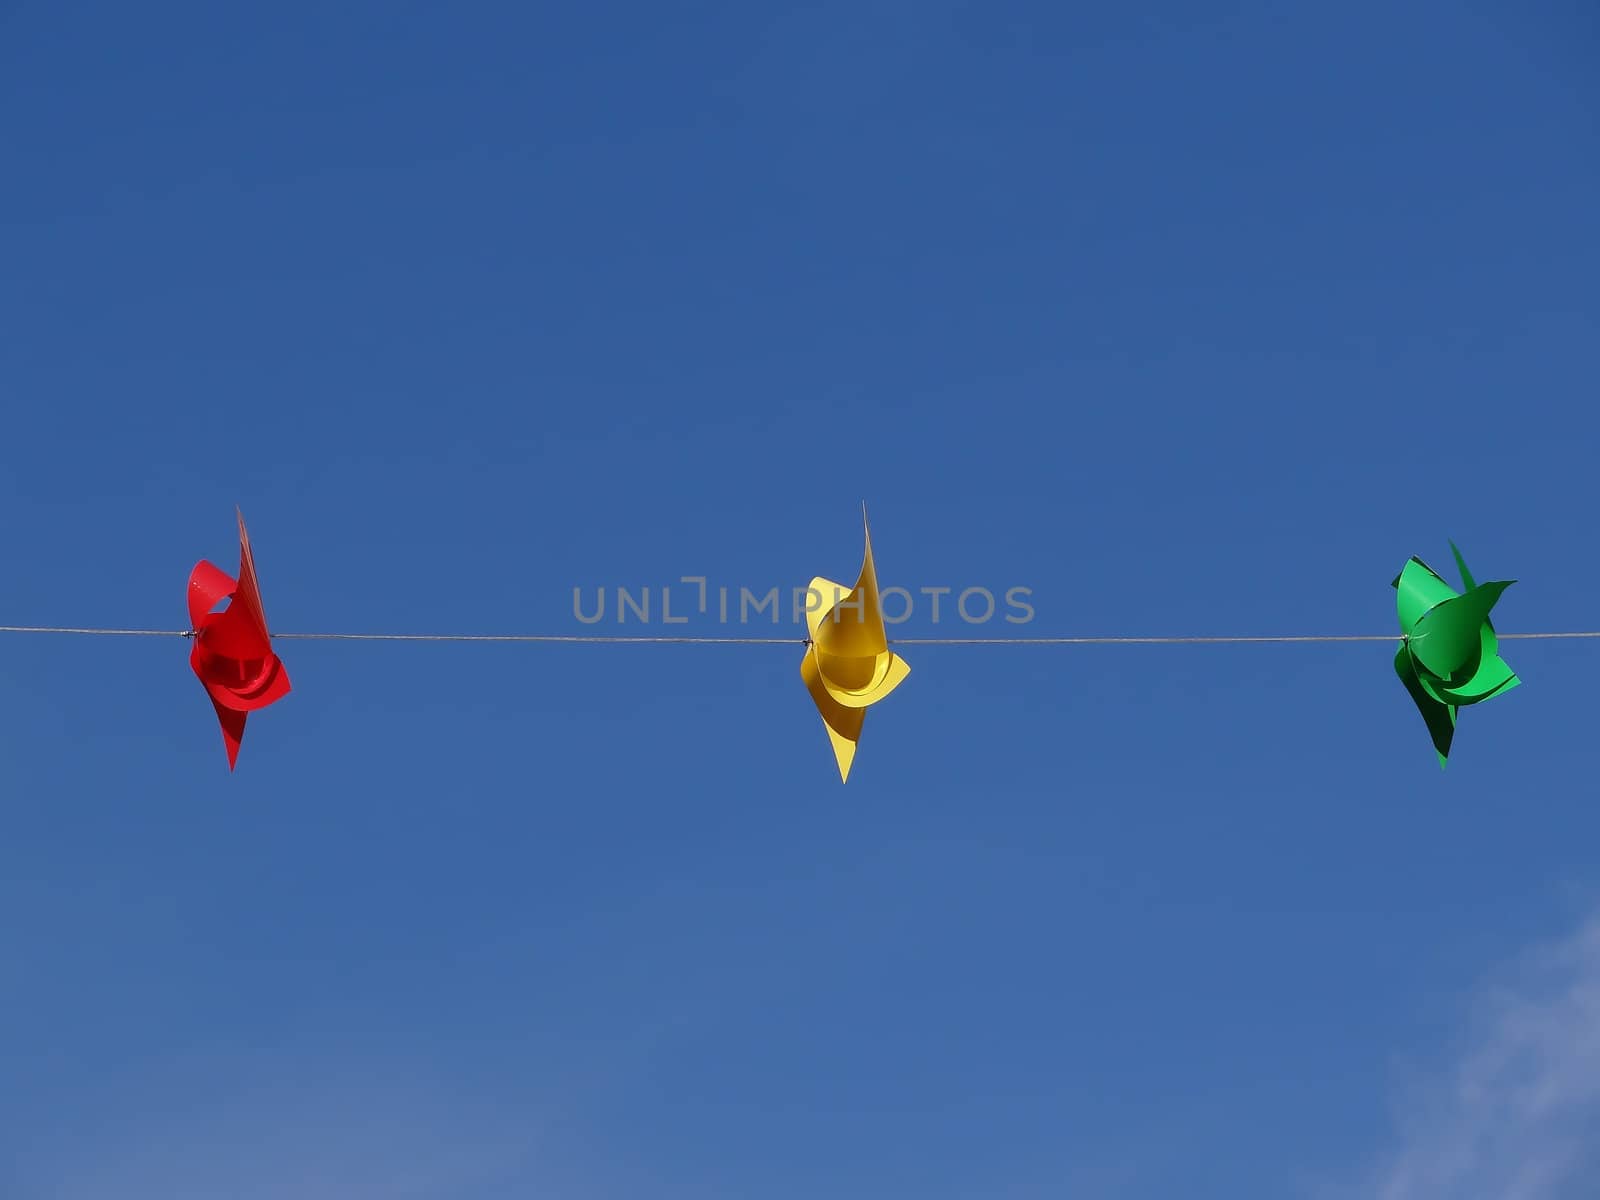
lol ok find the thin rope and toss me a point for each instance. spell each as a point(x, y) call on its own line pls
point(1174, 641)
point(641, 639)
point(421, 637)
point(536, 637)
point(1142, 641)
point(106, 632)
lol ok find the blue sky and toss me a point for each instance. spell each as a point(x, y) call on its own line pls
point(1190, 323)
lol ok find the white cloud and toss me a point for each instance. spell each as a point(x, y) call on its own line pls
point(1517, 1117)
point(286, 1131)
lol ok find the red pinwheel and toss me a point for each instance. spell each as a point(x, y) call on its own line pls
point(232, 652)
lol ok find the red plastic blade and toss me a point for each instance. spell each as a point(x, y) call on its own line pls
point(232, 730)
point(208, 584)
point(248, 597)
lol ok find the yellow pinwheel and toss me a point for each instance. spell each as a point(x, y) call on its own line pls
point(848, 664)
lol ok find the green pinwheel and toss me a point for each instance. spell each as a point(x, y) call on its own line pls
point(1448, 654)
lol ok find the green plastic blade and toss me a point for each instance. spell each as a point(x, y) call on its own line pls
point(1467, 693)
point(1461, 565)
point(1447, 640)
point(1492, 677)
point(1418, 588)
point(1440, 718)
point(1475, 693)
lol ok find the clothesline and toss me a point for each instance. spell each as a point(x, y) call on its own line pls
point(687, 640)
